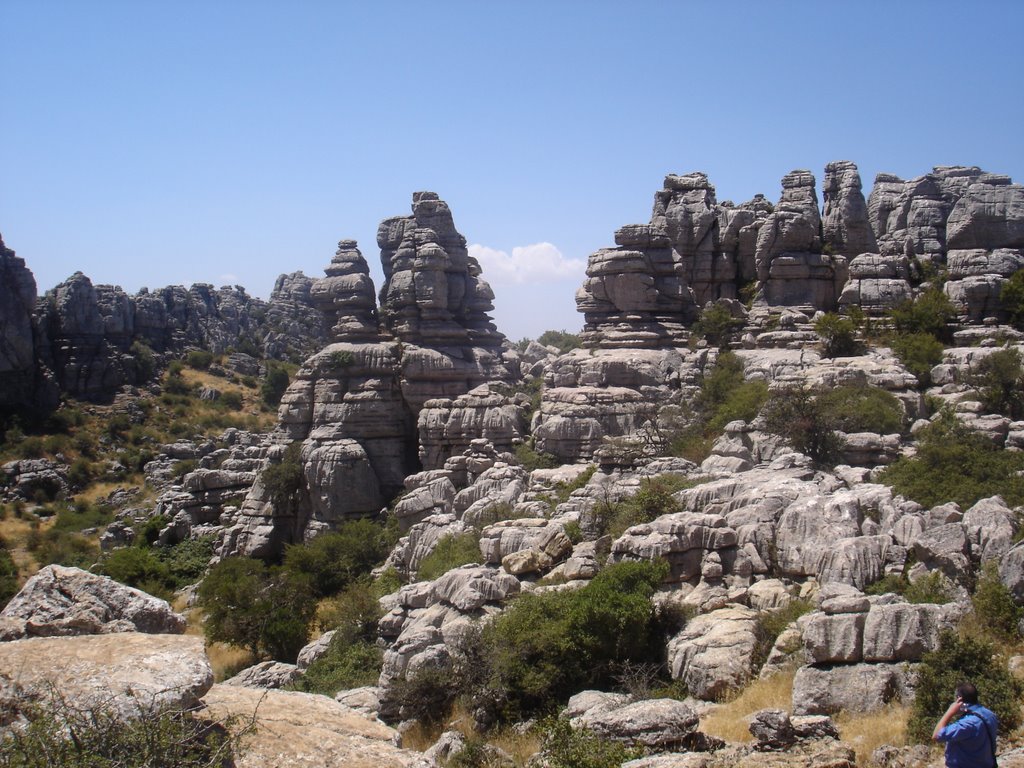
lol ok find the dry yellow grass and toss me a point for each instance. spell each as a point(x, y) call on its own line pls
point(15, 531)
point(867, 732)
point(226, 660)
point(729, 720)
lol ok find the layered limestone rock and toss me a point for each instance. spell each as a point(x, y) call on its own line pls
point(877, 283)
point(23, 381)
point(846, 228)
point(346, 297)
point(792, 270)
point(292, 326)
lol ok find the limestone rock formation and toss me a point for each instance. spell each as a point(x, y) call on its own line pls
point(70, 601)
point(846, 229)
point(125, 675)
point(296, 730)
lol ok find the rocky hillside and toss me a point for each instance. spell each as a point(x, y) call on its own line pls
point(787, 456)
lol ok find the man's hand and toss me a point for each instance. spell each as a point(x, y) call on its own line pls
point(954, 709)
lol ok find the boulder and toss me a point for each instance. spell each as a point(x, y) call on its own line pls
point(266, 674)
point(657, 724)
point(714, 653)
point(69, 601)
point(827, 690)
point(127, 675)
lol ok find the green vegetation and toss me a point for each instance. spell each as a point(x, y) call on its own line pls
point(999, 379)
point(838, 335)
point(74, 737)
point(546, 647)
point(565, 342)
point(266, 610)
point(653, 499)
point(933, 588)
point(1012, 298)
point(919, 352)
point(931, 312)
point(853, 408)
point(563, 746)
point(532, 459)
point(995, 611)
point(450, 552)
point(959, 659)
point(8, 575)
point(200, 359)
point(285, 479)
point(800, 417)
point(955, 463)
point(716, 325)
point(275, 382)
point(334, 560)
point(771, 624)
point(159, 571)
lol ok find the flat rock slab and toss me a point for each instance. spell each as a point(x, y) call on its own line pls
point(303, 730)
point(126, 673)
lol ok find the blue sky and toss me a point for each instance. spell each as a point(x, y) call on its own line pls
point(153, 143)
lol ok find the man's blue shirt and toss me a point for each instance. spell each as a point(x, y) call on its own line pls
point(967, 740)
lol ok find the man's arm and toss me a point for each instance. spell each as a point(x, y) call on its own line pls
point(954, 708)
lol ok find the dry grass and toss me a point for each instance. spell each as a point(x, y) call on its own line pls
point(14, 531)
point(729, 721)
point(226, 660)
point(867, 732)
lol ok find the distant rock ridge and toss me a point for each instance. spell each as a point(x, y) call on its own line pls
point(649, 289)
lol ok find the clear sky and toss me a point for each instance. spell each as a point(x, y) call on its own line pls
point(228, 141)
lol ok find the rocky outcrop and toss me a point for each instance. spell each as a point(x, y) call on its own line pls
point(657, 725)
point(296, 730)
point(792, 269)
point(70, 601)
point(23, 381)
point(126, 675)
point(845, 226)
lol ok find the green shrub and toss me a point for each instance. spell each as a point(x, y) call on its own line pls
point(955, 463)
point(771, 624)
point(343, 666)
point(931, 313)
point(334, 560)
point(94, 737)
point(187, 560)
point(8, 575)
point(31, 447)
point(932, 588)
point(531, 459)
point(283, 481)
point(63, 548)
point(798, 416)
point(148, 532)
point(563, 746)
point(564, 341)
point(742, 403)
point(268, 611)
point(231, 400)
point(450, 552)
point(995, 611)
point(200, 359)
point(275, 382)
point(960, 659)
point(80, 472)
point(999, 379)
point(546, 647)
point(81, 515)
point(919, 353)
point(139, 568)
point(854, 408)
point(838, 335)
point(653, 499)
point(174, 382)
point(1012, 298)
point(65, 419)
point(716, 325)
point(144, 361)
point(342, 358)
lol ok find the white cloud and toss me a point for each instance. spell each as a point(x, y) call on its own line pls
point(536, 263)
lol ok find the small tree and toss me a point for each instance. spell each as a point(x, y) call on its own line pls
point(716, 325)
point(838, 335)
point(1012, 298)
point(333, 561)
point(1000, 382)
point(919, 352)
point(960, 659)
point(796, 415)
point(275, 382)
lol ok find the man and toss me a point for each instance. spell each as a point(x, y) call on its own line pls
point(971, 740)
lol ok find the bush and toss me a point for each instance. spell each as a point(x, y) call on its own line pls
point(796, 415)
point(450, 552)
point(564, 341)
point(771, 624)
point(80, 472)
point(343, 666)
point(653, 499)
point(8, 575)
point(81, 515)
point(838, 335)
point(999, 379)
point(94, 737)
point(283, 481)
point(1012, 298)
point(919, 352)
point(995, 611)
point(145, 362)
point(63, 548)
point(933, 588)
point(955, 463)
point(231, 400)
point(854, 408)
point(139, 568)
point(187, 560)
point(960, 659)
point(716, 325)
point(334, 560)
point(563, 746)
point(268, 611)
point(200, 359)
point(275, 382)
point(546, 647)
point(531, 459)
point(930, 313)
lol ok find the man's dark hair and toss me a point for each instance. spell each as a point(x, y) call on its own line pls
point(967, 692)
